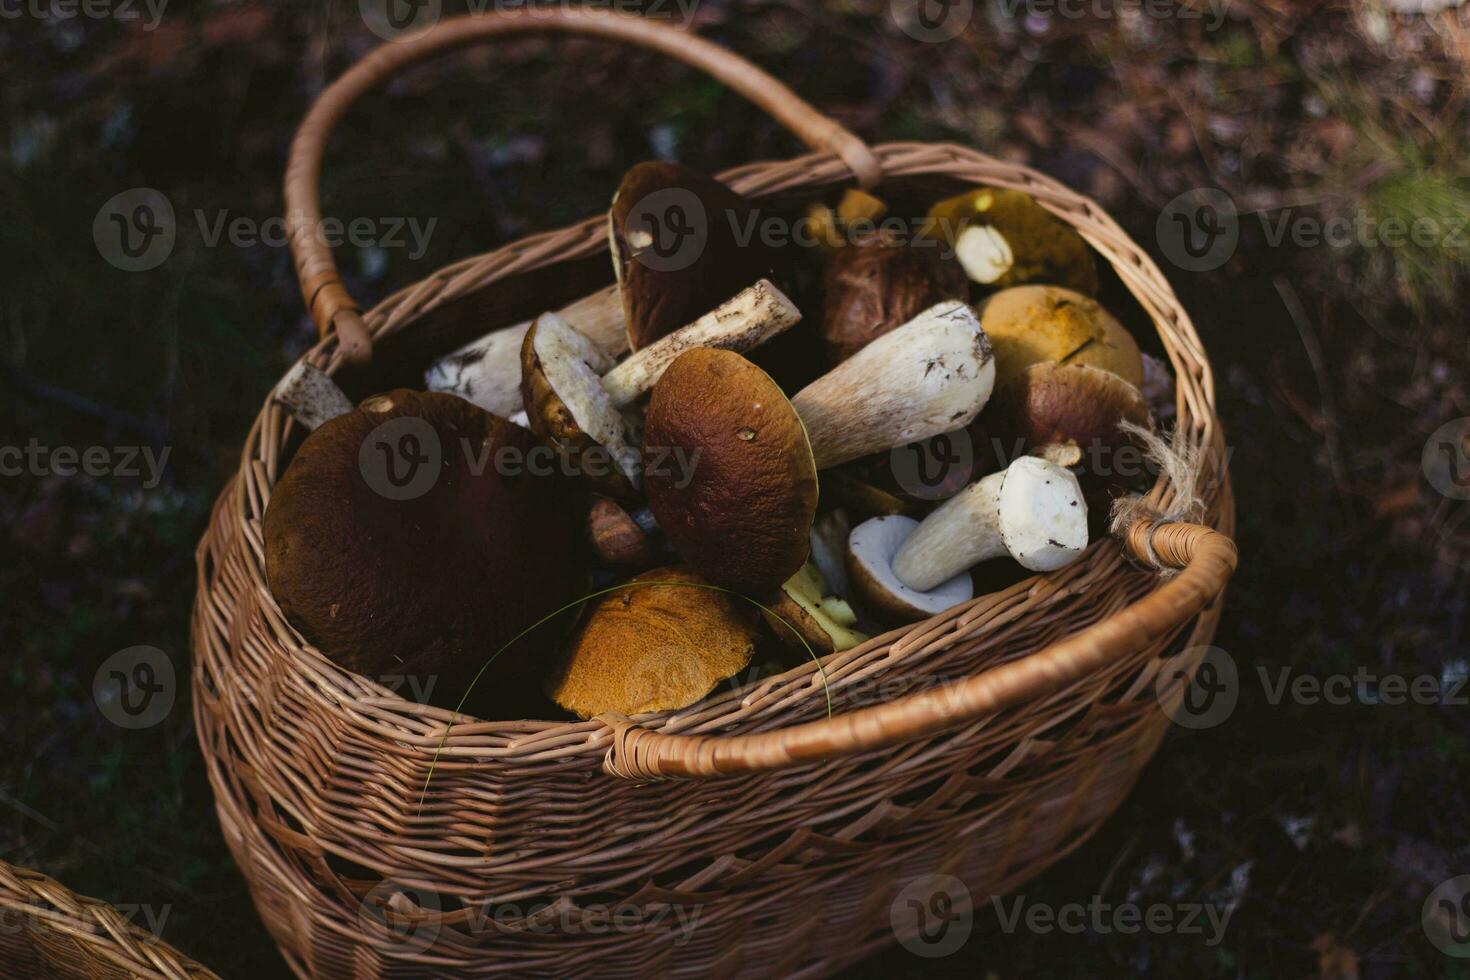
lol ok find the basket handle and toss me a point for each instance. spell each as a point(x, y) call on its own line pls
point(322, 289)
point(1207, 559)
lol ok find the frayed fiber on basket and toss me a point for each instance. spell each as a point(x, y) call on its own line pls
point(1180, 463)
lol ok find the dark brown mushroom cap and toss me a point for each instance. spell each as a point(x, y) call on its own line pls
point(432, 583)
point(739, 508)
point(876, 284)
point(699, 270)
point(659, 644)
point(1073, 405)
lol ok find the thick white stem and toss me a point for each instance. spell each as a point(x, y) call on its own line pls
point(746, 320)
point(311, 396)
point(929, 376)
point(961, 533)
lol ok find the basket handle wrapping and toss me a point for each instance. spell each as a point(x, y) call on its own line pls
point(322, 289)
point(1207, 559)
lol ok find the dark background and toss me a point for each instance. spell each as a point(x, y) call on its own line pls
point(1328, 825)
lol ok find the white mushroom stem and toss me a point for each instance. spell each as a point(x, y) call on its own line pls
point(984, 253)
point(488, 371)
point(1033, 510)
point(929, 376)
point(748, 319)
point(311, 396)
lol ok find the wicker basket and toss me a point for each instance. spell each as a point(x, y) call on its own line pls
point(563, 849)
point(47, 931)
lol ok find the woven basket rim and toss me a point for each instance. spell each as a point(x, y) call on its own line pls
point(410, 721)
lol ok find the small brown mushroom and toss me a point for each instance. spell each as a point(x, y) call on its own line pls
point(659, 644)
point(673, 234)
point(618, 538)
point(1067, 412)
point(877, 284)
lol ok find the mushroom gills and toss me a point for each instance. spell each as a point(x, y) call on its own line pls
point(573, 367)
point(870, 552)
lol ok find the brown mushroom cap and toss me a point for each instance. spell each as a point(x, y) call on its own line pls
point(659, 300)
point(655, 647)
point(879, 283)
point(431, 584)
point(1074, 408)
point(1047, 324)
point(740, 512)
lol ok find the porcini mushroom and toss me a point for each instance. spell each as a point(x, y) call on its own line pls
point(659, 644)
point(742, 515)
point(1065, 412)
point(673, 234)
point(870, 551)
point(1032, 510)
point(1047, 324)
point(488, 371)
point(1002, 237)
point(396, 546)
point(875, 284)
point(574, 395)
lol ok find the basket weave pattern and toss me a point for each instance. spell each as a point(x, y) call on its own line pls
point(48, 931)
point(562, 828)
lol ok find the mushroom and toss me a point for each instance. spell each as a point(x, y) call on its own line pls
point(742, 515)
point(1002, 237)
point(488, 371)
point(1047, 324)
point(1063, 412)
point(574, 395)
point(659, 644)
point(878, 283)
point(395, 549)
point(674, 234)
point(619, 538)
point(1032, 510)
point(870, 551)
point(807, 610)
